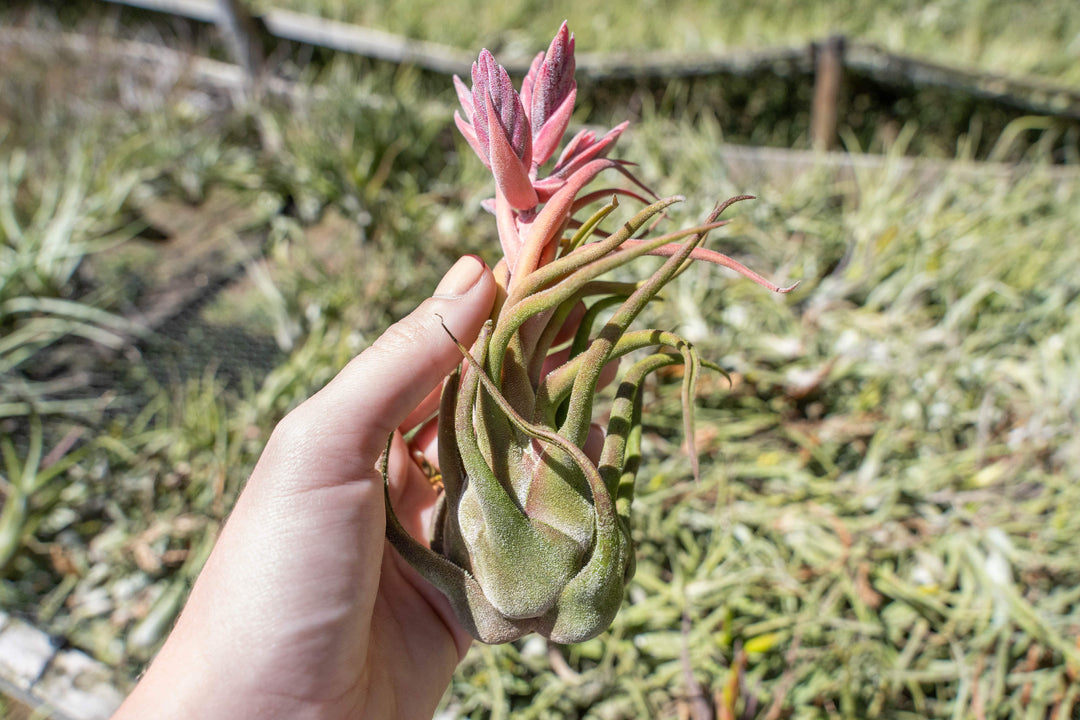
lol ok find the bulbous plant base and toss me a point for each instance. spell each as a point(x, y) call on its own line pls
point(527, 584)
point(587, 614)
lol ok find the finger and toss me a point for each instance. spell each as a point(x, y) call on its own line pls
point(555, 360)
point(570, 325)
point(379, 388)
point(426, 441)
point(608, 374)
point(422, 412)
point(594, 443)
point(410, 490)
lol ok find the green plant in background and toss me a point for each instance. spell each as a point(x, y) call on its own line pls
point(47, 228)
point(20, 480)
point(534, 534)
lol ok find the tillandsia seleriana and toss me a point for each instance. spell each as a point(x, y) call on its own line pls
point(533, 534)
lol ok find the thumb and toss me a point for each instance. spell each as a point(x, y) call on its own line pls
point(376, 391)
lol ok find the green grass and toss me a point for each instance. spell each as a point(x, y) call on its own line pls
point(884, 527)
point(1008, 37)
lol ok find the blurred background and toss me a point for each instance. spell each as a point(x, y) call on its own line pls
point(208, 206)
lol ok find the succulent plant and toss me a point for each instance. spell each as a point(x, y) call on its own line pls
point(532, 534)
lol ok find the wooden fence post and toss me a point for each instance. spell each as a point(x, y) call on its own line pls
point(828, 77)
point(243, 36)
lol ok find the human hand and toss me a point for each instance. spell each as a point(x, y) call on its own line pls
point(303, 610)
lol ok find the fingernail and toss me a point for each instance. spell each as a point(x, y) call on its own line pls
point(460, 278)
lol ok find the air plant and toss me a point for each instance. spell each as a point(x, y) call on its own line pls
point(532, 534)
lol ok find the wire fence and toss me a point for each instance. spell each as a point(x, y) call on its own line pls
point(1030, 94)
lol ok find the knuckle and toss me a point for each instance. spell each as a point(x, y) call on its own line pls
point(294, 435)
point(405, 336)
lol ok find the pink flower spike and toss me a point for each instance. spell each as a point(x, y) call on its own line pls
point(493, 90)
point(469, 133)
point(464, 96)
point(552, 92)
point(583, 138)
point(502, 131)
point(584, 147)
point(511, 177)
point(530, 79)
point(546, 139)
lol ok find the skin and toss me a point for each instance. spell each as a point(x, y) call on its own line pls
point(303, 610)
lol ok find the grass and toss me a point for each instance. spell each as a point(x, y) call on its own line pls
point(884, 526)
